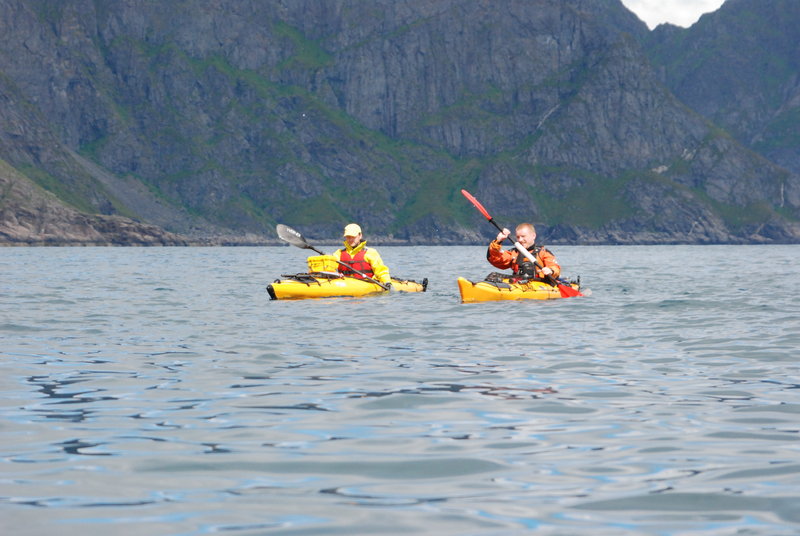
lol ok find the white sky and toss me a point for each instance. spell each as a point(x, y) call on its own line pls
point(678, 12)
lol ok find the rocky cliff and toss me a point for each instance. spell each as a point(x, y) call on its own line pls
point(216, 120)
point(30, 215)
point(740, 67)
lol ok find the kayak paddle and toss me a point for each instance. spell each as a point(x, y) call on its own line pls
point(287, 234)
point(565, 290)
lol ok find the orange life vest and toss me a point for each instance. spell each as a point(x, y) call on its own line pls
point(525, 268)
point(355, 262)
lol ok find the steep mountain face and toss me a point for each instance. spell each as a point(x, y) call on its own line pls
point(215, 118)
point(740, 67)
point(31, 216)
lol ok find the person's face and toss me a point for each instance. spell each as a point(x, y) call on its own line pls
point(353, 241)
point(526, 237)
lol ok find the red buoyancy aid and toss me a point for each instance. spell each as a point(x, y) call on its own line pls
point(355, 262)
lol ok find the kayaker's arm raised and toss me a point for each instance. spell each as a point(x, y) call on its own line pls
point(502, 235)
point(499, 258)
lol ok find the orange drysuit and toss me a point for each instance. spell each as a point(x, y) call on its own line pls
point(508, 259)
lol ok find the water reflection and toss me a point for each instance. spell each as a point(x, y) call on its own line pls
point(508, 393)
point(77, 447)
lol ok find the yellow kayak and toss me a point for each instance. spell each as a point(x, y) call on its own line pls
point(333, 285)
point(505, 289)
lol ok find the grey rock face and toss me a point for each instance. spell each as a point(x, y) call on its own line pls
point(216, 120)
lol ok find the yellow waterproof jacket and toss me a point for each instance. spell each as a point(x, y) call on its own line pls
point(371, 257)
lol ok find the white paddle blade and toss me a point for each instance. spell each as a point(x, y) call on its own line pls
point(287, 234)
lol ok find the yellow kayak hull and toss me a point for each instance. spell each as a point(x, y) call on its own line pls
point(482, 291)
point(316, 285)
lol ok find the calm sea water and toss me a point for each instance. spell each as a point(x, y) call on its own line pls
point(160, 392)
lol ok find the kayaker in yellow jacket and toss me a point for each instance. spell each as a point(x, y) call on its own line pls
point(356, 255)
point(522, 267)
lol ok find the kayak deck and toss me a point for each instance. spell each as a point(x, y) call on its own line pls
point(333, 285)
point(506, 289)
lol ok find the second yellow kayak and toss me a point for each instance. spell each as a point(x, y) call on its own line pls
point(482, 291)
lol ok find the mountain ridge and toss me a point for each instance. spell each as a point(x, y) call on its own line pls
point(216, 121)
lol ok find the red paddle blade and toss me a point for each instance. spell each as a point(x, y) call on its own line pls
point(568, 292)
point(476, 203)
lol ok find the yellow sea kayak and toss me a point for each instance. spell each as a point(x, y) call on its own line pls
point(333, 285)
point(506, 289)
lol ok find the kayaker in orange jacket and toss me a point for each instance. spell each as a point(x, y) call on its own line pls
point(522, 267)
point(357, 255)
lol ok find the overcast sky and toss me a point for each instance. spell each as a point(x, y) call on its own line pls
point(678, 12)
